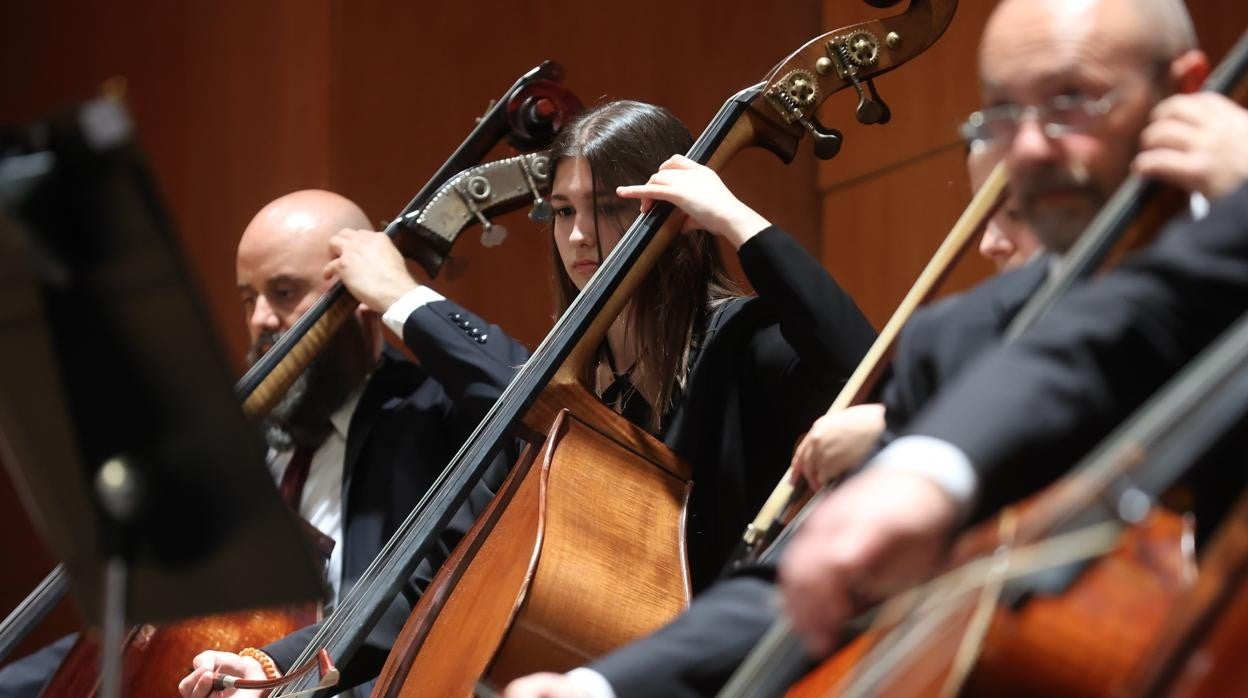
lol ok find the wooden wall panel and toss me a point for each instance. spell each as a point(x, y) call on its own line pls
point(882, 233)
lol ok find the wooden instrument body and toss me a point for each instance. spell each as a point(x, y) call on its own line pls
point(581, 551)
point(1083, 642)
point(157, 657)
point(1202, 649)
point(1215, 666)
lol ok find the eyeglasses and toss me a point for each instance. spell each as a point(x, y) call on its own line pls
point(1063, 114)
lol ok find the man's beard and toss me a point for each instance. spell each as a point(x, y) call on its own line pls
point(301, 417)
point(1058, 204)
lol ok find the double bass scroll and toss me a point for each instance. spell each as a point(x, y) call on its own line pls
point(530, 112)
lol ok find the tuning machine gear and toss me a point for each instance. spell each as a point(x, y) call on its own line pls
point(475, 192)
point(792, 96)
point(862, 49)
point(849, 55)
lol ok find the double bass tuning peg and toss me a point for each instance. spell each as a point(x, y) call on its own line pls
point(827, 141)
point(871, 108)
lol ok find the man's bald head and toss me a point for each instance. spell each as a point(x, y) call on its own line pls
point(310, 213)
point(1155, 30)
point(1091, 71)
point(283, 253)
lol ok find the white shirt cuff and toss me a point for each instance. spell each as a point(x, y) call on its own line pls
point(591, 683)
point(398, 312)
point(939, 461)
point(1198, 205)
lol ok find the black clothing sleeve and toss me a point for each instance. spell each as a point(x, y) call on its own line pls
point(768, 366)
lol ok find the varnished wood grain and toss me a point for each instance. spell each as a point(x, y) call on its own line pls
point(587, 555)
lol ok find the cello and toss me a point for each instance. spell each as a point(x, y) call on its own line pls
point(1089, 640)
point(773, 114)
point(1197, 651)
point(530, 112)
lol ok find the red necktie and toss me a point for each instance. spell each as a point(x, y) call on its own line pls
point(294, 477)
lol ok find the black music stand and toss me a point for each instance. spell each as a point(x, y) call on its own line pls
point(117, 417)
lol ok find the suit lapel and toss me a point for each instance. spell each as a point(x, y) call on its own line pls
point(366, 415)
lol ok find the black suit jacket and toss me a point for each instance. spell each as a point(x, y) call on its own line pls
point(410, 422)
point(943, 339)
point(26, 677)
point(768, 367)
point(1095, 356)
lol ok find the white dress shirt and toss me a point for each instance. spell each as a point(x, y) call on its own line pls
point(321, 501)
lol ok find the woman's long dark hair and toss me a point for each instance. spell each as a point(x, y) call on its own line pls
point(623, 143)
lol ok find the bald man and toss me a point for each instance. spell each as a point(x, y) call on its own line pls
point(369, 429)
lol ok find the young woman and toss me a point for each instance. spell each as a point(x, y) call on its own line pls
point(729, 382)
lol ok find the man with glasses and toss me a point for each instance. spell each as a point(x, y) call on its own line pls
point(1068, 86)
point(1073, 89)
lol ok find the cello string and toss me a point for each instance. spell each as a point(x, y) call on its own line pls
point(936, 601)
point(972, 642)
point(926, 606)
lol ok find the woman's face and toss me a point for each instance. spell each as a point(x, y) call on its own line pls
point(582, 225)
